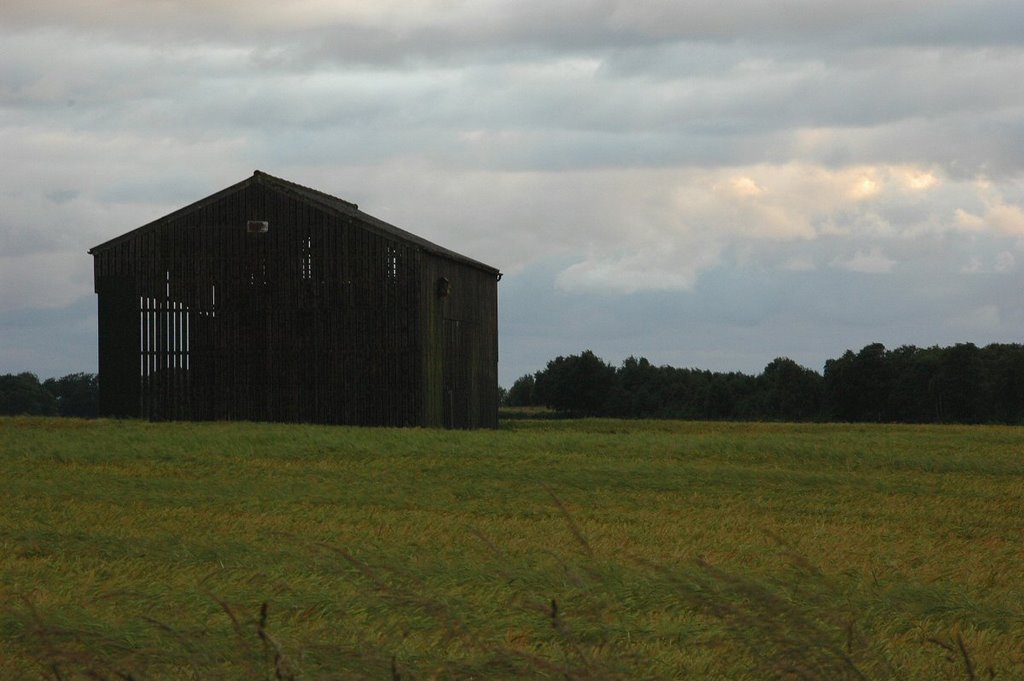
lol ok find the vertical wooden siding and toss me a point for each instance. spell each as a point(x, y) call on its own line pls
point(315, 320)
point(118, 319)
point(460, 345)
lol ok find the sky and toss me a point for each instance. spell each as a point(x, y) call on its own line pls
point(705, 183)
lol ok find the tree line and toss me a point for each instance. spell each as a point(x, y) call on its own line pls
point(71, 395)
point(957, 384)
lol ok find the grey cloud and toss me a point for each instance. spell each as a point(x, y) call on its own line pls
point(744, 109)
point(711, 148)
point(417, 31)
point(60, 196)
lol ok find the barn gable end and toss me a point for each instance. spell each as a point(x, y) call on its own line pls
point(270, 301)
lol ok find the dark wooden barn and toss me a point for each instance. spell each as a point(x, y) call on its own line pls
point(270, 301)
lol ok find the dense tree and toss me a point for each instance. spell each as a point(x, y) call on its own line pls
point(577, 384)
point(788, 391)
point(911, 398)
point(719, 397)
point(1004, 391)
point(957, 384)
point(521, 392)
point(855, 382)
point(838, 384)
point(23, 394)
point(962, 383)
point(76, 394)
point(638, 390)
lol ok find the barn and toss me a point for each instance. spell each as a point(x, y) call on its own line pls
point(271, 301)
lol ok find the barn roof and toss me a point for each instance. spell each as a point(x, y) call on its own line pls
point(325, 202)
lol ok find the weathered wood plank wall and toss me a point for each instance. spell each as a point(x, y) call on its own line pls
point(460, 345)
point(318, 319)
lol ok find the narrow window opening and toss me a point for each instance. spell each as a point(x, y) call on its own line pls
point(306, 268)
point(391, 263)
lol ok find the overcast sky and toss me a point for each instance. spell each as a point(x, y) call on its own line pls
point(706, 183)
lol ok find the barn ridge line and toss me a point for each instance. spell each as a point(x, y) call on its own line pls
point(319, 199)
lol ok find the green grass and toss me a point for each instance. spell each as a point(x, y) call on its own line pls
point(547, 549)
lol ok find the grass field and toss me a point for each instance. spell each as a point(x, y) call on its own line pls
point(547, 549)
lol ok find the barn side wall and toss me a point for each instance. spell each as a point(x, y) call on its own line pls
point(118, 320)
point(315, 320)
point(460, 344)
